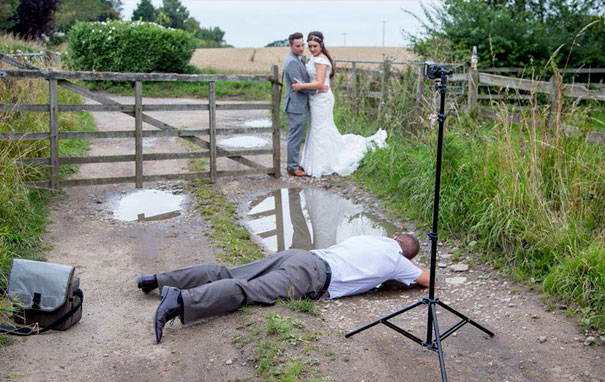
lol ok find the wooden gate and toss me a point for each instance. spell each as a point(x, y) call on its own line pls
point(204, 138)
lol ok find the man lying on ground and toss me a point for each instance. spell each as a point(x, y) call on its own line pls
point(353, 266)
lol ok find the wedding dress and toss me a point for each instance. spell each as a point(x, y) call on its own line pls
point(326, 151)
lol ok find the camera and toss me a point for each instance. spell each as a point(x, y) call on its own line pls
point(435, 71)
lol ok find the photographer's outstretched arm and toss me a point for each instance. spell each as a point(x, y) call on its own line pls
point(425, 278)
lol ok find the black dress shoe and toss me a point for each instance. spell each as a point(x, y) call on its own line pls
point(170, 307)
point(147, 283)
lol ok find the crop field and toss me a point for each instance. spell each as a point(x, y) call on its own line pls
point(260, 60)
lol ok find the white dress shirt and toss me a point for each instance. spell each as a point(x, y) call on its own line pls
point(361, 263)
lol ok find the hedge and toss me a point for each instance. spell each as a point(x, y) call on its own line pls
point(128, 46)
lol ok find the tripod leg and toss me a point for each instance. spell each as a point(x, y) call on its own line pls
point(380, 320)
point(478, 326)
point(433, 313)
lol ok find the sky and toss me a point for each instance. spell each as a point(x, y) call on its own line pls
point(255, 23)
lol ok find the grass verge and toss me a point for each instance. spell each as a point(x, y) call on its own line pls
point(530, 195)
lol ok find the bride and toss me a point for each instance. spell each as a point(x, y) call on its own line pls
point(326, 151)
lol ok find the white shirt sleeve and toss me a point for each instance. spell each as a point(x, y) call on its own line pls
point(407, 272)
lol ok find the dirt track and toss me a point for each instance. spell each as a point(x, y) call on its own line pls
point(114, 341)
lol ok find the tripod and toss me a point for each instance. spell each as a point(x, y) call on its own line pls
point(435, 71)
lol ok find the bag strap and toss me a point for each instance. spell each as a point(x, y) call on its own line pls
point(26, 331)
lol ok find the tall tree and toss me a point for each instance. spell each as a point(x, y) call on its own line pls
point(70, 11)
point(176, 13)
point(144, 11)
point(112, 9)
point(35, 17)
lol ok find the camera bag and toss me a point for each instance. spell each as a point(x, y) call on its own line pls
point(45, 295)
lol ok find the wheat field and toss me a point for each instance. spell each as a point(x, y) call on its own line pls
point(260, 60)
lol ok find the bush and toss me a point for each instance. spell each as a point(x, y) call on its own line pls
point(120, 46)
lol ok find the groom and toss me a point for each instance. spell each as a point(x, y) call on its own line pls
point(296, 104)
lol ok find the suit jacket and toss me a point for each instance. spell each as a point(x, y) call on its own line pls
point(296, 102)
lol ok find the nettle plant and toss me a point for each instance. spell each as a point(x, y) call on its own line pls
point(122, 46)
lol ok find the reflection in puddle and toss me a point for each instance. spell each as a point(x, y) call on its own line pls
point(262, 122)
point(244, 141)
point(150, 203)
point(311, 218)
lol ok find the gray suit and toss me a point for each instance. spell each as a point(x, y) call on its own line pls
point(296, 106)
point(209, 290)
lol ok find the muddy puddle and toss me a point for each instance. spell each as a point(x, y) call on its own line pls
point(244, 141)
point(310, 218)
point(148, 205)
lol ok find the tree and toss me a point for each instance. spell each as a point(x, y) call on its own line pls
point(517, 32)
point(70, 11)
point(175, 12)
point(144, 11)
point(112, 10)
point(278, 43)
point(8, 13)
point(212, 34)
point(35, 17)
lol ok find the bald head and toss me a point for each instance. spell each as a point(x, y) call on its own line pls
point(409, 245)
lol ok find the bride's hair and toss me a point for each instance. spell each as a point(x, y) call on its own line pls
point(319, 37)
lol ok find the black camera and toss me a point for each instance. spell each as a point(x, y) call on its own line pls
point(435, 71)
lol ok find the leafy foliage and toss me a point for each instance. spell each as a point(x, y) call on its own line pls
point(144, 11)
point(129, 47)
point(8, 11)
point(35, 17)
point(71, 11)
point(278, 43)
point(517, 32)
point(173, 14)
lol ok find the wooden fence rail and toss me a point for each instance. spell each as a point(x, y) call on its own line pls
point(137, 110)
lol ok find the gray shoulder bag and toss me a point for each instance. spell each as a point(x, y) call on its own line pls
point(44, 294)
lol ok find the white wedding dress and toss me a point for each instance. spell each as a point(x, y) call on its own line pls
point(326, 151)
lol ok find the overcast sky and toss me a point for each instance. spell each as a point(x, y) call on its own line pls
point(255, 23)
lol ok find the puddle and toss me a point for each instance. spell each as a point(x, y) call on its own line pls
point(147, 205)
point(261, 122)
point(244, 141)
point(309, 219)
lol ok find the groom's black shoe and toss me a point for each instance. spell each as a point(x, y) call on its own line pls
point(170, 308)
point(147, 283)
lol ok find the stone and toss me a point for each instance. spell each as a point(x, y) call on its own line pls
point(229, 362)
point(590, 340)
point(455, 280)
point(460, 267)
point(472, 244)
point(441, 265)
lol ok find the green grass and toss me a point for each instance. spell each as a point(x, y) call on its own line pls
point(282, 348)
point(302, 305)
point(224, 90)
point(532, 198)
point(228, 235)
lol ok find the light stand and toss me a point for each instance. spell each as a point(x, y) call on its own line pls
point(433, 71)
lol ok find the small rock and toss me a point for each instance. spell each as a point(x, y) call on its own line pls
point(511, 305)
point(441, 265)
point(590, 340)
point(542, 339)
point(229, 362)
point(459, 267)
point(472, 244)
point(507, 299)
point(535, 316)
point(455, 280)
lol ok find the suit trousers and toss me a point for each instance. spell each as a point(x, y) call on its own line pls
point(210, 290)
point(296, 131)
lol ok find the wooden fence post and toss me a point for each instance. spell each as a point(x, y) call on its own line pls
point(556, 100)
point(354, 80)
point(383, 84)
point(54, 130)
point(138, 133)
point(212, 126)
point(473, 88)
point(275, 122)
point(419, 94)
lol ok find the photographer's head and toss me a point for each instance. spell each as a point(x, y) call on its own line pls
point(409, 245)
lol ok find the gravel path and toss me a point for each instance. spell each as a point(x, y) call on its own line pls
point(115, 341)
